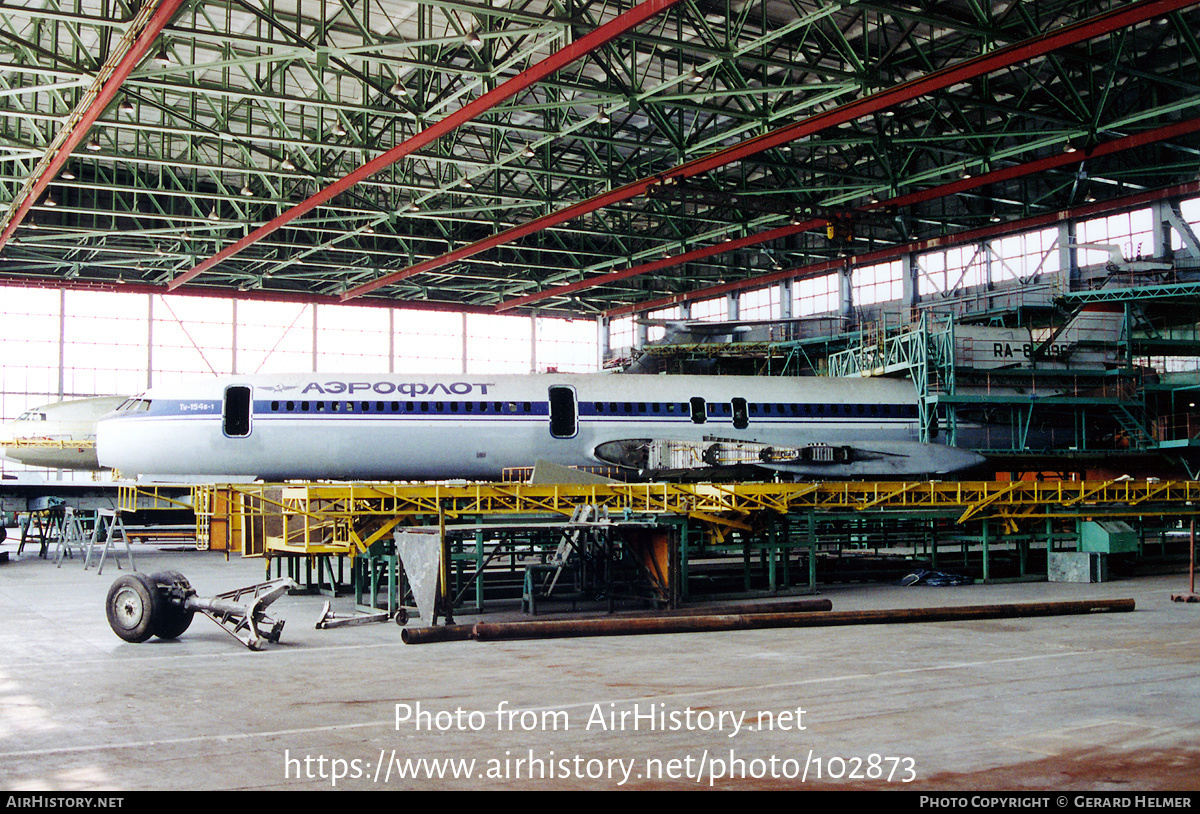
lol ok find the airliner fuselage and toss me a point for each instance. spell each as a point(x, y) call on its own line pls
point(425, 427)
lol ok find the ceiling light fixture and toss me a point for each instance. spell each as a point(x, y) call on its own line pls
point(398, 89)
point(287, 163)
point(529, 152)
point(473, 39)
point(94, 145)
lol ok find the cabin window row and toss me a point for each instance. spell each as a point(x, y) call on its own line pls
point(698, 411)
point(764, 409)
point(503, 407)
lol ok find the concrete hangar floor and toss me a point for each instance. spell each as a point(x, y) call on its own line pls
point(1105, 701)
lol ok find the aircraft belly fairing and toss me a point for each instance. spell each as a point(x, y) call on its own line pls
point(718, 457)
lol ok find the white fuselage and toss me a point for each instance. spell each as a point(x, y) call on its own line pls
point(425, 427)
point(59, 436)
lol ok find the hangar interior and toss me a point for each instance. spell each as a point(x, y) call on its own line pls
point(997, 202)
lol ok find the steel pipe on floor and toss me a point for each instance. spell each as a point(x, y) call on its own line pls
point(458, 633)
point(758, 621)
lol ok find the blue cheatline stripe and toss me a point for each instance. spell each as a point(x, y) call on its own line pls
point(718, 412)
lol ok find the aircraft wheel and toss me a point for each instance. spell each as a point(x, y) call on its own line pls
point(134, 607)
point(173, 619)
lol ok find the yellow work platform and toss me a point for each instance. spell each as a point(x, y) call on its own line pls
point(351, 516)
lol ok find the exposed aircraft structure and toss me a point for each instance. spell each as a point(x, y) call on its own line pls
point(395, 427)
point(60, 435)
point(1089, 341)
point(696, 332)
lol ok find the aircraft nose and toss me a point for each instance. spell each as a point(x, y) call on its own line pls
point(6, 439)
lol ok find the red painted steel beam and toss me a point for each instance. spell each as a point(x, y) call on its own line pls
point(659, 265)
point(1001, 58)
point(945, 190)
point(531, 76)
point(137, 51)
point(1097, 209)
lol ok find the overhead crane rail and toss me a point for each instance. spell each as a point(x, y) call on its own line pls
point(356, 515)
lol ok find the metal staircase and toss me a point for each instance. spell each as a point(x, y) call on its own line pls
point(923, 351)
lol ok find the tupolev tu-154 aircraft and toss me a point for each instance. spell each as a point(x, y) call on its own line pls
point(426, 427)
point(61, 435)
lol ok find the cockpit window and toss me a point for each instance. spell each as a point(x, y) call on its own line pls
point(134, 405)
point(31, 415)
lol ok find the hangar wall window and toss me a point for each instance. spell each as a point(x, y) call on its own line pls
point(274, 337)
point(816, 295)
point(1191, 214)
point(948, 270)
point(657, 332)
point(428, 341)
point(1133, 232)
point(191, 336)
point(29, 372)
point(762, 303)
point(565, 345)
point(714, 310)
point(1174, 364)
point(1017, 257)
point(498, 344)
point(620, 333)
point(104, 342)
point(882, 282)
point(350, 338)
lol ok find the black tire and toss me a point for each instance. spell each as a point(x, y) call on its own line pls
point(134, 607)
point(173, 618)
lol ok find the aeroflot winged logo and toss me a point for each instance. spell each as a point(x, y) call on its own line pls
point(403, 388)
